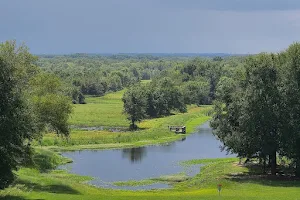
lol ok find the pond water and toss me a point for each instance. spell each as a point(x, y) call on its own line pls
point(108, 166)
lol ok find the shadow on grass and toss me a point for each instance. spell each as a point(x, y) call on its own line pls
point(283, 178)
point(55, 188)
point(9, 197)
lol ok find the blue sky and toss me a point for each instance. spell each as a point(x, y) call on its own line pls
point(151, 26)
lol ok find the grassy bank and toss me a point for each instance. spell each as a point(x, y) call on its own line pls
point(237, 183)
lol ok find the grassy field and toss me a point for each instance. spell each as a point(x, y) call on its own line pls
point(237, 183)
point(104, 111)
point(100, 111)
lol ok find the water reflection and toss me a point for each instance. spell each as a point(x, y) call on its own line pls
point(134, 154)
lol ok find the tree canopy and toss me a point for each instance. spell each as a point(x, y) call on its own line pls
point(257, 115)
point(30, 101)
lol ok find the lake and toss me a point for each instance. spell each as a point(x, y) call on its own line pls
point(108, 166)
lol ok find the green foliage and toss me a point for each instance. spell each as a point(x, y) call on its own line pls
point(248, 124)
point(291, 108)
point(30, 100)
point(196, 92)
point(96, 75)
point(225, 88)
point(163, 97)
point(51, 106)
point(156, 99)
point(134, 105)
point(17, 125)
point(257, 115)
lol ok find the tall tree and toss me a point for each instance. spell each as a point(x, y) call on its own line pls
point(51, 106)
point(291, 112)
point(25, 108)
point(134, 105)
point(248, 123)
point(17, 124)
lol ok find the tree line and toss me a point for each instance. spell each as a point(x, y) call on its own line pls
point(152, 100)
point(88, 74)
point(91, 74)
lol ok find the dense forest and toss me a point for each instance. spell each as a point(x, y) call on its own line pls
point(87, 74)
point(96, 75)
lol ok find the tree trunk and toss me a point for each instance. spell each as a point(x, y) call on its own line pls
point(264, 166)
point(273, 159)
point(132, 124)
point(297, 167)
point(269, 161)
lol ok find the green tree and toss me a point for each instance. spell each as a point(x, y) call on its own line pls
point(196, 92)
point(248, 122)
point(51, 105)
point(30, 101)
point(163, 97)
point(17, 124)
point(134, 105)
point(225, 88)
point(291, 107)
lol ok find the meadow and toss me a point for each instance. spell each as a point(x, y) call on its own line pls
point(106, 111)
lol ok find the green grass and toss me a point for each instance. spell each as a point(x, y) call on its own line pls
point(236, 184)
point(169, 179)
point(100, 111)
point(135, 183)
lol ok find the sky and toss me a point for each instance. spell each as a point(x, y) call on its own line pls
point(151, 26)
